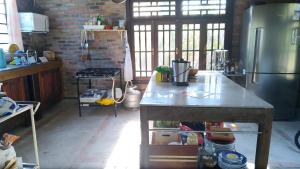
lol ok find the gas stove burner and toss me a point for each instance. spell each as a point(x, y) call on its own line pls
point(96, 72)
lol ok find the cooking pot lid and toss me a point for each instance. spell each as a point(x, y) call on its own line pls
point(180, 61)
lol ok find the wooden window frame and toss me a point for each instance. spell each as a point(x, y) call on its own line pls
point(5, 14)
point(179, 19)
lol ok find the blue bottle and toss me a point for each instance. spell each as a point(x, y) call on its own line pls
point(2, 59)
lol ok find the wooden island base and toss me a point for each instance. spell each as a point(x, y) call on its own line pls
point(211, 97)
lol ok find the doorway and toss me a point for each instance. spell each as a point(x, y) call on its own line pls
point(161, 31)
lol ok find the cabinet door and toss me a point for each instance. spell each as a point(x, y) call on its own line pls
point(50, 87)
point(15, 89)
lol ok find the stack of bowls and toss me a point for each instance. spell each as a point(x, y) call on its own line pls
point(220, 146)
point(232, 160)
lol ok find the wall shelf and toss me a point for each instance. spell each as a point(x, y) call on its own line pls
point(105, 30)
point(120, 31)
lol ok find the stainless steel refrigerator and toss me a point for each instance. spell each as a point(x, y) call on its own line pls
point(270, 51)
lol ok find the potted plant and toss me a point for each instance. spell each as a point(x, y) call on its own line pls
point(163, 73)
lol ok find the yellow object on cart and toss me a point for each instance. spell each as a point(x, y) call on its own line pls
point(105, 102)
point(158, 77)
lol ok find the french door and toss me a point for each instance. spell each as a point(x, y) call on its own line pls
point(164, 30)
point(158, 44)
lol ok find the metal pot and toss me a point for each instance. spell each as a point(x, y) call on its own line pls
point(133, 98)
point(181, 70)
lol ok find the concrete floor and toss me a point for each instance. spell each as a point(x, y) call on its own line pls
point(99, 140)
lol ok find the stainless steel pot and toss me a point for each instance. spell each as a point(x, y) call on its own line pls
point(133, 98)
point(181, 70)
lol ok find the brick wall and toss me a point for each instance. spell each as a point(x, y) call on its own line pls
point(66, 20)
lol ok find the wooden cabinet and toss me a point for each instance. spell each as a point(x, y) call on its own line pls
point(15, 89)
point(50, 88)
point(39, 82)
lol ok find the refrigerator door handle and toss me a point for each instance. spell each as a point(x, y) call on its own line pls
point(257, 49)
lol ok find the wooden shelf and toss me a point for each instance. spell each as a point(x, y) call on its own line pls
point(105, 30)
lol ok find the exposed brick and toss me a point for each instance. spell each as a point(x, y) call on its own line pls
point(66, 19)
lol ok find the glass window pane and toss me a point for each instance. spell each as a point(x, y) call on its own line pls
point(3, 38)
point(191, 43)
point(137, 61)
point(142, 48)
point(184, 55)
point(196, 60)
point(215, 40)
point(197, 40)
point(2, 19)
point(152, 8)
point(209, 26)
point(136, 41)
point(172, 41)
point(143, 61)
point(166, 27)
point(2, 9)
point(208, 60)
point(160, 27)
point(172, 57)
point(149, 62)
point(160, 58)
point(4, 47)
point(148, 27)
point(136, 27)
point(172, 27)
point(222, 39)
point(160, 41)
point(166, 42)
point(148, 41)
point(3, 28)
point(184, 40)
point(166, 58)
point(208, 7)
point(191, 40)
point(209, 40)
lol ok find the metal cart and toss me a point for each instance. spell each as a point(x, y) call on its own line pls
point(31, 107)
point(92, 74)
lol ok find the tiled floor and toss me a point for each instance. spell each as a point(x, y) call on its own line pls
point(99, 140)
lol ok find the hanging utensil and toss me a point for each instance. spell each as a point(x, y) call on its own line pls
point(83, 42)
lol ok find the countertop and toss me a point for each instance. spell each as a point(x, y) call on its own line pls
point(208, 89)
point(15, 71)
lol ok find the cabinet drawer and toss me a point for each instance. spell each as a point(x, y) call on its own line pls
point(173, 156)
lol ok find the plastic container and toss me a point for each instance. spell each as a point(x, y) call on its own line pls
point(2, 59)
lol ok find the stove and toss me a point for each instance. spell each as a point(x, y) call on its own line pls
point(98, 72)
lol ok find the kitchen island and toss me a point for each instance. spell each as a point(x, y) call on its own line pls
point(209, 97)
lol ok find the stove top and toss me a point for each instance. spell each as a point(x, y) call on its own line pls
point(96, 72)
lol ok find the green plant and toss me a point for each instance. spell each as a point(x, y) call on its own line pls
point(163, 69)
point(100, 18)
